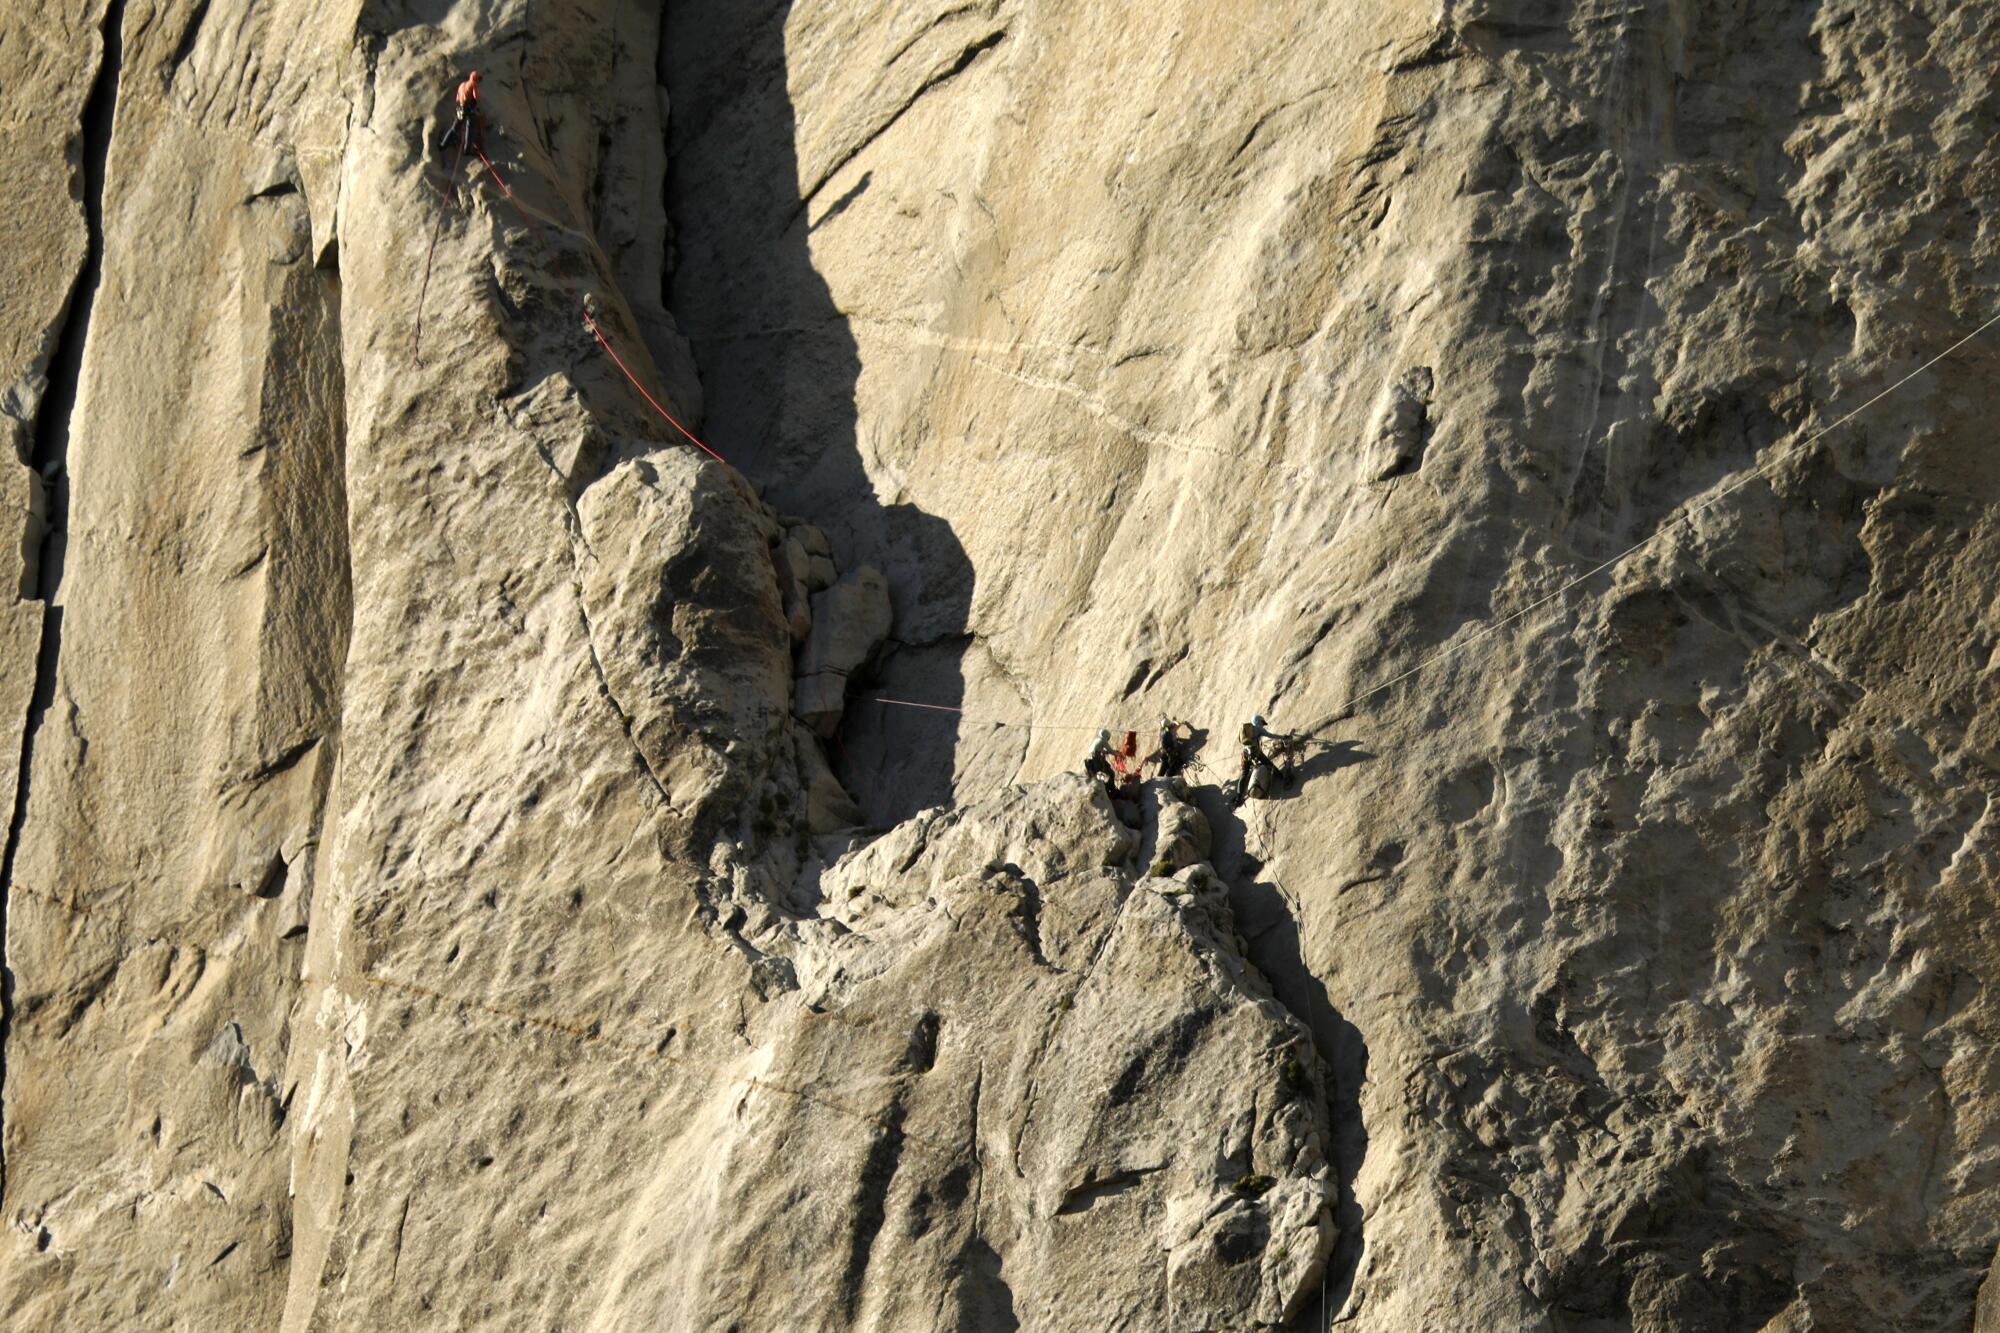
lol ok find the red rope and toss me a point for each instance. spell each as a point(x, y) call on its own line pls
point(555, 260)
point(501, 181)
point(619, 361)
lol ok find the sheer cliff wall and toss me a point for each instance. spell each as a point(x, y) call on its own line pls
point(431, 898)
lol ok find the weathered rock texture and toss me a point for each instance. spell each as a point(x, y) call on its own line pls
point(460, 872)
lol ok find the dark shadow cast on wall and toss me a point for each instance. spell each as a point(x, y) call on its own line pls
point(779, 364)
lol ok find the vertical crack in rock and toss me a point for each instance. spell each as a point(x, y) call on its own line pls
point(670, 240)
point(574, 523)
point(625, 722)
point(50, 462)
point(333, 334)
point(870, 1203)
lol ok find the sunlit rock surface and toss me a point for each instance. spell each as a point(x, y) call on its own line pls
point(465, 869)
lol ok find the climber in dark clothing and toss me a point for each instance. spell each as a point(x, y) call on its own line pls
point(1253, 736)
point(467, 125)
point(1172, 754)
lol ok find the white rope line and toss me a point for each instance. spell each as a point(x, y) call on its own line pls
point(1759, 470)
point(1495, 626)
point(969, 717)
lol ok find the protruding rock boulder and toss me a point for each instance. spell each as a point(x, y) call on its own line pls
point(849, 622)
point(1015, 1014)
point(1403, 425)
point(683, 622)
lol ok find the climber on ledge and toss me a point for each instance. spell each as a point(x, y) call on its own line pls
point(1255, 757)
point(466, 126)
point(1097, 764)
point(1172, 756)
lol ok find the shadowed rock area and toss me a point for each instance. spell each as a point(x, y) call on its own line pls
point(474, 860)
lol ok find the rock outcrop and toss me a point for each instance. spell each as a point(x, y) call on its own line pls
point(850, 619)
point(453, 877)
point(1029, 1067)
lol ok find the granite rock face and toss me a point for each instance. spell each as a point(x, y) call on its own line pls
point(464, 867)
point(849, 621)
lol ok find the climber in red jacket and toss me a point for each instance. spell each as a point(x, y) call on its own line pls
point(467, 126)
